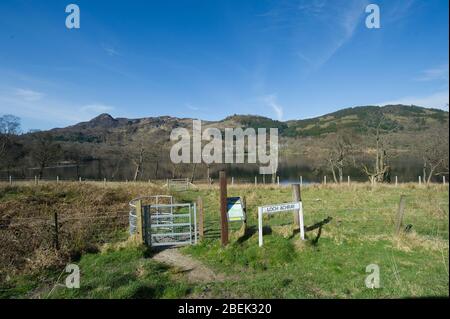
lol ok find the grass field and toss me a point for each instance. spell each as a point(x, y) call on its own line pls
point(360, 233)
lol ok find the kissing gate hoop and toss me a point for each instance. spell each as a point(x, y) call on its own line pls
point(279, 208)
point(158, 221)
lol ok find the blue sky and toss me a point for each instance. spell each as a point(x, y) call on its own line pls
point(213, 58)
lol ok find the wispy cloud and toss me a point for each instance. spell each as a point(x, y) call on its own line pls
point(347, 21)
point(438, 100)
point(28, 95)
point(110, 50)
point(397, 10)
point(271, 101)
point(45, 110)
point(339, 22)
point(439, 73)
point(192, 107)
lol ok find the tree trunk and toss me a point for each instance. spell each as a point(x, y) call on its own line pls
point(193, 173)
point(334, 174)
point(156, 169)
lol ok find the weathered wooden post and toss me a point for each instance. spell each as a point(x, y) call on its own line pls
point(10, 180)
point(201, 230)
point(139, 224)
point(278, 180)
point(56, 231)
point(301, 181)
point(256, 180)
point(79, 179)
point(396, 181)
point(260, 227)
point(232, 180)
point(57, 179)
point(297, 197)
point(400, 214)
point(35, 180)
point(348, 180)
point(104, 181)
point(325, 180)
point(244, 208)
point(420, 180)
point(223, 208)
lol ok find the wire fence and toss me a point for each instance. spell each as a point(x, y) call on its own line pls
point(256, 180)
point(25, 241)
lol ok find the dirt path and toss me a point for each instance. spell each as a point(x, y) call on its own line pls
point(194, 269)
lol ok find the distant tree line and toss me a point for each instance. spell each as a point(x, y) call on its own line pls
point(134, 158)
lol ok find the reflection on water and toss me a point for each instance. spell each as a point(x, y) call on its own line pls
point(289, 171)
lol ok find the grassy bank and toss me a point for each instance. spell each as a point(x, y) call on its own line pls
point(327, 265)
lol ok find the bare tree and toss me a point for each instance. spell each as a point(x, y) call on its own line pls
point(436, 155)
point(381, 171)
point(9, 129)
point(76, 155)
point(141, 154)
point(44, 150)
point(340, 154)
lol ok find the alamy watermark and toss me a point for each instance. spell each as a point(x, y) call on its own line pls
point(373, 20)
point(73, 279)
point(73, 19)
point(373, 279)
point(261, 148)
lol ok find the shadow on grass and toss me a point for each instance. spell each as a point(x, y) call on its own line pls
point(318, 226)
point(252, 230)
point(148, 292)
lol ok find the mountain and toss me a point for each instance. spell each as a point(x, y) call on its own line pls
point(112, 145)
point(360, 120)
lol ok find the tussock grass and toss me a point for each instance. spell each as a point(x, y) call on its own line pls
point(361, 232)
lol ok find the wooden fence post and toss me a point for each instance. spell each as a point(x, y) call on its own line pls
point(201, 230)
point(56, 231)
point(232, 180)
point(420, 180)
point(35, 180)
point(256, 180)
point(301, 181)
point(223, 208)
point(396, 180)
point(244, 207)
point(278, 180)
point(79, 179)
point(10, 180)
point(57, 179)
point(104, 182)
point(348, 180)
point(400, 214)
point(325, 180)
point(139, 224)
point(297, 197)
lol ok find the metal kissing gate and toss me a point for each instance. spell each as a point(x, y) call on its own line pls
point(162, 222)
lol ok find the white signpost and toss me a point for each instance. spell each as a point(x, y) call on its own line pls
point(278, 208)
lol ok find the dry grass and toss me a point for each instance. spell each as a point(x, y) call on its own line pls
point(88, 216)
